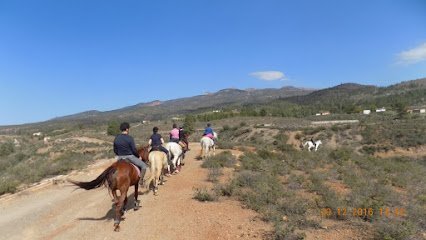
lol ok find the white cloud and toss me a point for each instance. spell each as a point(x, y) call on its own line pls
point(412, 56)
point(269, 75)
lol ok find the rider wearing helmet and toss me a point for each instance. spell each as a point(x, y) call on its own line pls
point(124, 148)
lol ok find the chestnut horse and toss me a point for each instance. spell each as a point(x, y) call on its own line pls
point(119, 176)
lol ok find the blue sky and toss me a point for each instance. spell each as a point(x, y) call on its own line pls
point(64, 57)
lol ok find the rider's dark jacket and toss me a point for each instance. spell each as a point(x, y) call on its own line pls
point(124, 145)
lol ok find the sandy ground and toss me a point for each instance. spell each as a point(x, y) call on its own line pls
point(60, 211)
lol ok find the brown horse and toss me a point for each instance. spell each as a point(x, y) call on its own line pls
point(119, 176)
point(144, 153)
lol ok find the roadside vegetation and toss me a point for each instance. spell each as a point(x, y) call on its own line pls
point(33, 159)
point(297, 190)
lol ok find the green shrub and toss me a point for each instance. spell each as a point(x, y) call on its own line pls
point(369, 149)
point(224, 159)
point(20, 156)
point(223, 144)
point(113, 128)
point(341, 155)
point(286, 232)
point(241, 131)
point(225, 189)
point(312, 131)
point(394, 229)
point(295, 181)
point(214, 174)
point(6, 149)
point(8, 186)
point(203, 195)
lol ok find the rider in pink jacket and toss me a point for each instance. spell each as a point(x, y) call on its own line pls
point(174, 134)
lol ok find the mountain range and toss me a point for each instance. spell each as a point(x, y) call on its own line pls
point(159, 109)
point(412, 92)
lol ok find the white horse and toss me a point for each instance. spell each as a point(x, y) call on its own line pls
point(175, 151)
point(207, 144)
point(311, 145)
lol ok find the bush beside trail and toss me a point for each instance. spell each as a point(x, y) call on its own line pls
point(286, 186)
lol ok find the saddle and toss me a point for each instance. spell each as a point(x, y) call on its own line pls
point(155, 148)
point(138, 170)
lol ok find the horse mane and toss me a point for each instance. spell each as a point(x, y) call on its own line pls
point(139, 149)
point(142, 150)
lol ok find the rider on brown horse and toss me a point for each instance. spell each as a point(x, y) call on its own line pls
point(124, 148)
point(183, 136)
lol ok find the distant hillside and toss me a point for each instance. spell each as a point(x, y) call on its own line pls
point(343, 92)
point(286, 102)
point(160, 109)
point(350, 98)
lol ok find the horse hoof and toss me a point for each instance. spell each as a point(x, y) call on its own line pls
point(116, 228)
point(136, 207)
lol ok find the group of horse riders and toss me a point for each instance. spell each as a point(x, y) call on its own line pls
point(125, 148)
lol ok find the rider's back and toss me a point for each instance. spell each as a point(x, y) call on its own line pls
point(123, 145)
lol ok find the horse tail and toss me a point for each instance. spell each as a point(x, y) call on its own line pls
point(99, 181)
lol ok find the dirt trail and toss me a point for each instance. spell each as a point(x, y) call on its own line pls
point(62, 212)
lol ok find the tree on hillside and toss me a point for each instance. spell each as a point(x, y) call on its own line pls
point(188, 124)
point(113, 128)
point(400, 107)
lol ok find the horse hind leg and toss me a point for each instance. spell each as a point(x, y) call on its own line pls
point(149, 180)
point(179, 162)
point(123, 208)
point(155, 190)
point(118, 210)
point(137, 206)
point(174, 162)
point(114, 195)
point(162, 177)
